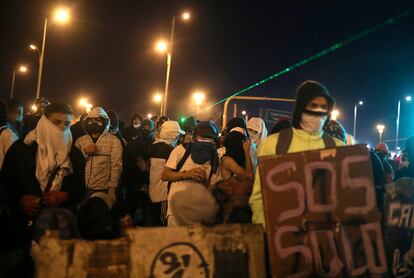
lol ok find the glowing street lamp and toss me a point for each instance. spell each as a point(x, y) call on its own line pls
point(407, 99)
point(34, 107)
point(198, 98)
point(380, 129)
point(83, 102)
point(20, 69)
point(163, 47)
point(33, 47)
point(185, 16)
point(360, 103)
point(157, 98)
point(88, 107)
point(335, 114)
point(61, 15)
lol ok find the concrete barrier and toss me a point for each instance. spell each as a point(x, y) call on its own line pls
point(194, 251)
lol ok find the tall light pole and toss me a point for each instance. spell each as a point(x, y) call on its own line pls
point(21, 69)
point(169, 48)
point(397, 129)
point(60, 15)
point(380, 129)
point(360, 103)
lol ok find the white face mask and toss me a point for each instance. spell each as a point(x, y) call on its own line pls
point(136, 125)
point(254, 136)
point(312, 123)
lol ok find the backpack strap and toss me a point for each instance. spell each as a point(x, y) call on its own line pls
point(2, 128)
point(328, 141)
point(285, 138)
point(181, 163)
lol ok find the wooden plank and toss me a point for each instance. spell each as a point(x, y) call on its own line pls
point(194, 251)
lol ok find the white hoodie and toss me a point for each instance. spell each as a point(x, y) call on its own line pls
point(103, 169)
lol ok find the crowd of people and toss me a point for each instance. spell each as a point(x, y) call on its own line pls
point(94, 179)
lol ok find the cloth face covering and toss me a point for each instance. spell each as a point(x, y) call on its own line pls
point(313, 120)
point(53, 147)
point(201, 150)
point(95, 125)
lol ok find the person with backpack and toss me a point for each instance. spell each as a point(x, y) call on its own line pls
point(312, 111)
point(7, 136)
point(159, 153)
point(191, 169)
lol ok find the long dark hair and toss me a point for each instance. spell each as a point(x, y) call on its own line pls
point(234, 147)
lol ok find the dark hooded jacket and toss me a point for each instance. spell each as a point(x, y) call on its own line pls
point(305, 93)
point(18, 178)
point(131, 133)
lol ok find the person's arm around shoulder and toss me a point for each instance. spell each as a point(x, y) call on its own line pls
point(170, 174)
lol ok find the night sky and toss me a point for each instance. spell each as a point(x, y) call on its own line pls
point(106, 53)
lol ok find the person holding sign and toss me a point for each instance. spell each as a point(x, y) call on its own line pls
point(312, 111)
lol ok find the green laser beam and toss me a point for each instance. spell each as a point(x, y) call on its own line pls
point(318, 55)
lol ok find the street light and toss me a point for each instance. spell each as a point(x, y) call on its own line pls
point(161, 46)
point(83, 102)
point(61, 15)
point(157, 98)
point(168, 47)
point(407, 99)
point(360, 103)
point(20, 69)
point(335, 114)
point(198, 98)
point(380, 129)
point(185, 16)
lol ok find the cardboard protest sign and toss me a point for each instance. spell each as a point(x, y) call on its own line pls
point(399, 227)
point(321, 215)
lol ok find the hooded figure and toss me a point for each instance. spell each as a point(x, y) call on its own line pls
point(239, 124)
point(311, 119)
point(103, 154)
point(159, 153)
point(42, 172)
point(257, 130)
point(133, 132)
point(312, 111)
